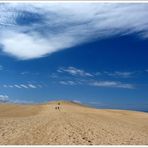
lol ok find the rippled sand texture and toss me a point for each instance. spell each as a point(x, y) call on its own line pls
point(73, 124)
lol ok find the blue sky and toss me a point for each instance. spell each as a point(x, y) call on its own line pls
point(93, 53)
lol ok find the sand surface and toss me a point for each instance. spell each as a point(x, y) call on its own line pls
point(71, 125)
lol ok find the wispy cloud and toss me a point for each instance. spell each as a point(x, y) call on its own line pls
point(17, 101)
point(52, 27)
point(4, 98)
point(81, 77)
point(120, 74)
point(75, 71)
point(26, 86)
point(113, 84)
point(68, 82)
point(77, 101)
point(32, 86)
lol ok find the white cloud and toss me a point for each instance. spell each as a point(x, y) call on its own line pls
point(56, 26)
point(37, 45)
point(24, 86)
point(4, 98)
point(17, 101)
point(17, 86)
point(91, 80)
point(113, 84)
point(75, 71)
point(120, 74)
point(68, 82)
point(32, 86)
point(63, 82)
point(77, 101)
point(117, 74)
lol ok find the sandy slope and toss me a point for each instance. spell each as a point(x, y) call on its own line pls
point(73, 124)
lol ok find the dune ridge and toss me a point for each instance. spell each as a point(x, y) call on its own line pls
point(72, 124)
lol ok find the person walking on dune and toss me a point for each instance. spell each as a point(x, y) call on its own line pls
point(58, 107)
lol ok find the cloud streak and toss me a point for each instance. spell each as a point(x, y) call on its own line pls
point(75, 71)
point(51, 27)
point(25, 86)
point(81, 77)
point(68, 83)
point(4, 98)
point(32, 86)
point(120, 74)
point(112, 84)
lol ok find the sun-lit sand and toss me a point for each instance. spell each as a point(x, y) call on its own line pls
point(73, 124)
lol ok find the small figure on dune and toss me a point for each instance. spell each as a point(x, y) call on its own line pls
point(57, 108)
point(59, 105)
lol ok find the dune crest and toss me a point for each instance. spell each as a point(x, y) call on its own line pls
point(70, 124)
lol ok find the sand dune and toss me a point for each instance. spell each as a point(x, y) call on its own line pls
point(73, 124)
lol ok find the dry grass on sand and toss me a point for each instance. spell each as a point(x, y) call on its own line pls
point(73, 124)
